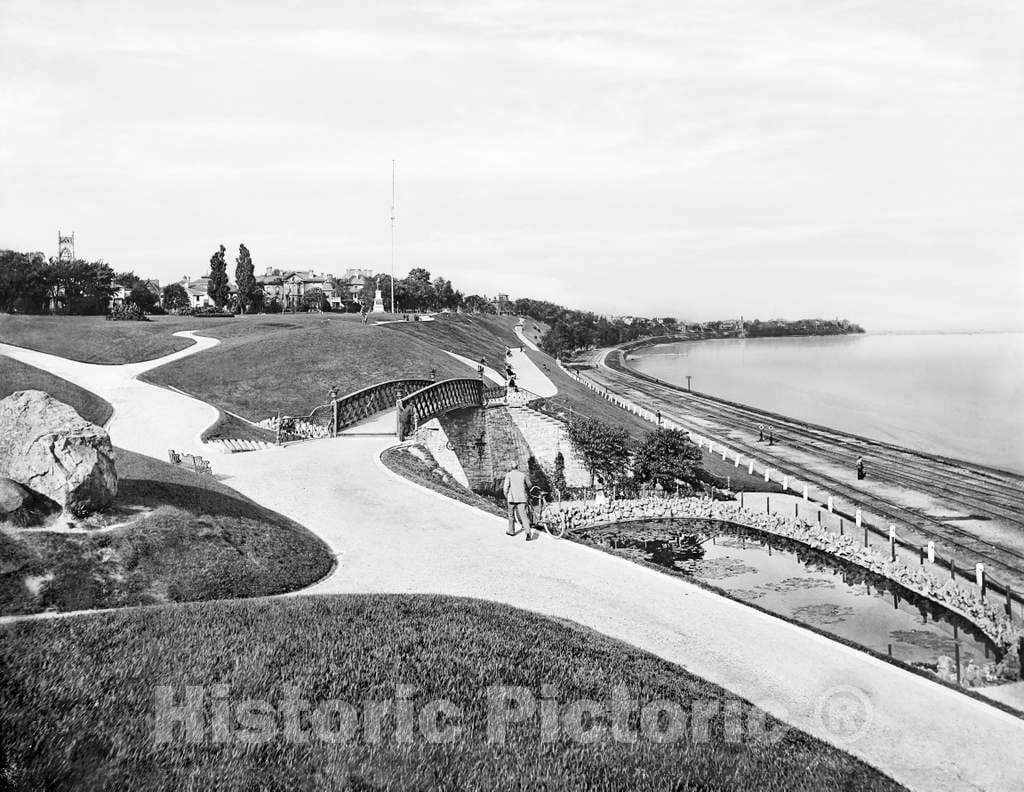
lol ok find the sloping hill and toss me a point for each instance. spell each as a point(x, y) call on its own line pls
point(17, 376)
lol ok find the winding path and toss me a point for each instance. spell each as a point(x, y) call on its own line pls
point(926, 736)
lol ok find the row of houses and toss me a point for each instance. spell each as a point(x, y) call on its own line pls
point(289, 287)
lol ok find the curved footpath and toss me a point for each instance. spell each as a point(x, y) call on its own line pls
point(926, 736)
point(146, 418)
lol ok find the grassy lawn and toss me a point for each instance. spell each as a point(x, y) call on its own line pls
point(92, 339)
point(184, 536)
point(16, 376)
point(266, 363)
point(429, 474)
point(78, 703)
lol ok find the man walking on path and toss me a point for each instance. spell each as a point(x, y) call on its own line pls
point(760, 433)
point(515, 488)
point(860, 468)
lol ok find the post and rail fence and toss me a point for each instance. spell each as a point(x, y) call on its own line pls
point(988, 585)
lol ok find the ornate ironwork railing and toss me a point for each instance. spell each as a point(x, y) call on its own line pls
point(441, 397)
point(365, 403)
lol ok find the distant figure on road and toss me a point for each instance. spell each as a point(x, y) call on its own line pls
point(515, 488)
point(860, 468)
point(771, 435)
point(760, 433)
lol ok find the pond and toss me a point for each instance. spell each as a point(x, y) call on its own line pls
point(803, 584)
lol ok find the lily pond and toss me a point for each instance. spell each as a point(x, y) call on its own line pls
point(802, 584)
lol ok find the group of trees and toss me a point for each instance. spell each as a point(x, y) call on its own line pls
point(662, 456)
point(415, 292)
point(31, 283)
point(570, 330)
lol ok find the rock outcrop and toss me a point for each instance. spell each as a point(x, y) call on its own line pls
point(49, 448)
point(12, 496)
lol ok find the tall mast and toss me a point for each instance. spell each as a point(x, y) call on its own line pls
point(393, 310)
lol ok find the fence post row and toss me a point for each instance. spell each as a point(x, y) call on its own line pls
point(983, 580)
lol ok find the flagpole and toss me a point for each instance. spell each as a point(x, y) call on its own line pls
point(393, 309)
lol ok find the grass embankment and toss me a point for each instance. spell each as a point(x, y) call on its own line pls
point(267, 363)
point(426, 472)
point(475, 336)
point(92, 339)
point(17, 376)
point(185, 537)
point(79, 703)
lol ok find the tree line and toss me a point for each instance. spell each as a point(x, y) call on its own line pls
point(663, 457)
point(570, 330)
point(31, 283)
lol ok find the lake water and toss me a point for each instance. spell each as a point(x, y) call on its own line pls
point(959, 395)
point(806, 585)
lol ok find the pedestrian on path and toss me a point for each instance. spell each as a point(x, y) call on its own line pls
point(760, 433)
point(406, 419)
point(860, 468)
point(515, 488)
point(771, 435)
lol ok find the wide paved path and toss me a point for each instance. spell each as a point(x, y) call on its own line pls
point(391, 536)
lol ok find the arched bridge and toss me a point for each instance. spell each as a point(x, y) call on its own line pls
point(428, 399)
point(438, 398)
point(365, 403)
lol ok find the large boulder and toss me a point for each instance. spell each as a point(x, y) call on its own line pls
point(49, 448)
point(12, 496)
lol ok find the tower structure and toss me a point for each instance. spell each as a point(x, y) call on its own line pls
point(65, 247)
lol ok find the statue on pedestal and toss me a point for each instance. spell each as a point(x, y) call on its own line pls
point(378, 300)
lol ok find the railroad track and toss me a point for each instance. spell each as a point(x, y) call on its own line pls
point(978, 491)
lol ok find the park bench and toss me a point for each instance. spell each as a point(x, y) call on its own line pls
point(190, 461)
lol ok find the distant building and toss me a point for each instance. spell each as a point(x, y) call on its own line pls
point(502, 304)
point(196, 288)
point(120, 295)
point(289, 287)
point(350, 285)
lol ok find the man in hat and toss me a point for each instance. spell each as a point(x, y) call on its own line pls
point(515, 488)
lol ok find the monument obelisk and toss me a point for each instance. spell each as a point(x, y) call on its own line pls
point(378, 300)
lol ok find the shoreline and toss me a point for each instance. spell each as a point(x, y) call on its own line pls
point(615, 361)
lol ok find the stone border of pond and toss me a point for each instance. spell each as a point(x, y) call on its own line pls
point(991, 622)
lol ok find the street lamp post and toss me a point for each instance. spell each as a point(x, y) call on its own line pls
point(332, 394)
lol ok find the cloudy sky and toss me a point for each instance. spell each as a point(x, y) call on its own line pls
point(697, 159)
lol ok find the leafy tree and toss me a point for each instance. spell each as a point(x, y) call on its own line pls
point(245, 280)
point(315, 300)
point(665, 456)
point(605, 448)
point(175, 298)
point(81, 287)
point(558, 479)
point(536, 474)
point(142, 297)
point(127, 279)
point(418, 291)
point(474, 303)
point(218, 288)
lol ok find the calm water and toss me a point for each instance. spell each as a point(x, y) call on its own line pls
point(806, 585)
point(959, 395)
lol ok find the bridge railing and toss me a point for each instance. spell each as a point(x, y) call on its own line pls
point(364, 403)
point(440, 397)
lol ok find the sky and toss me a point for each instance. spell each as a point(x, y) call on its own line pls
point(703, 160)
